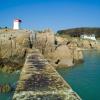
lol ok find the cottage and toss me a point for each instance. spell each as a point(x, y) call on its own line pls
point(86, 36)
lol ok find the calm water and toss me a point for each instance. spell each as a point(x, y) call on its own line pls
point(7, 78)
point(85, 78)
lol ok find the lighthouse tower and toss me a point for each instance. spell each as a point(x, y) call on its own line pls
point(16, 24)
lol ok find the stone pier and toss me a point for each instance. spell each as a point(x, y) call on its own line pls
point(40, 81)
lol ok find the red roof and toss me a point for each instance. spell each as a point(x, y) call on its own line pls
point(17, 20)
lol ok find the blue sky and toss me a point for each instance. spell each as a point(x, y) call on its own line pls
point(54, 14)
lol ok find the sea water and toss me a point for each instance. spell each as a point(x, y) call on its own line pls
point(85, 78)
point(8, 79)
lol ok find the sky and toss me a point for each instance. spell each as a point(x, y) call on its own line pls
point(54, 14)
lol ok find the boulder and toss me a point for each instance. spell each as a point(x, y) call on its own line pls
point(88, 44)
point(61, 57)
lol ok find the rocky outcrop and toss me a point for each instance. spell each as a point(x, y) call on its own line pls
point(13, 49)
point(44, 41)
point(61, 57)
point(88, 44)
point(10, 65)
point(5, 88)
point(77, 56)
point(59, 51)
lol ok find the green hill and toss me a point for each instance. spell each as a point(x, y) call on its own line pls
point(76, 32)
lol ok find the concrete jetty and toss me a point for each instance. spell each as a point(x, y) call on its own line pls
point(40, 81)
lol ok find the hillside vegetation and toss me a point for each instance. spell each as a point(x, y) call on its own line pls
point(76, 32)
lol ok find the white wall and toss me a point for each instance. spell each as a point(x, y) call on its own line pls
point(16, 25)
point(91, 37)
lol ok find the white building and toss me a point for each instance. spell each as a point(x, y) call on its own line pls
point(86, 36)
point(16, 24)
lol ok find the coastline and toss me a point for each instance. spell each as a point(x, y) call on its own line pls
point(59, 52)
point(84, 78)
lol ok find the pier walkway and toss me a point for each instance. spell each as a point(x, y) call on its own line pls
point(40, 81)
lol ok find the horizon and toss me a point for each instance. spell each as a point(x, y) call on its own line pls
point(53, 14)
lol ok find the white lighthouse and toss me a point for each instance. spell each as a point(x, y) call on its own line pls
point(16, 24)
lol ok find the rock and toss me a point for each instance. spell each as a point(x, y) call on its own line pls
point(58, 50)
point(61, 57)
point(44, 41)
point(88, 44)
point(60, 40)
point(23, 39)
point(77, 56)
point(5, 88)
